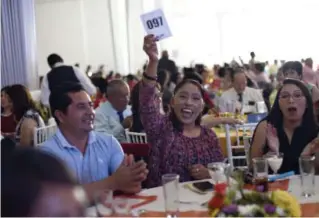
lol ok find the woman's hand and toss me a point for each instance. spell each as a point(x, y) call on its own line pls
point(231, 121)
point(127, 122)
point(198, 171)
point(272, 138)
point(312, 147)
point(150, 47)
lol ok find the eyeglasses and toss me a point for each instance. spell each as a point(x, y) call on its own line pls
point(295, 96)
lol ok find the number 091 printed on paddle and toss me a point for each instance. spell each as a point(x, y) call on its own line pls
point(155, 23)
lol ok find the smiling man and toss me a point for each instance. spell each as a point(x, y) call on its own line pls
point(96, 159)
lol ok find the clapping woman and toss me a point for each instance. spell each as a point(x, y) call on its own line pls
point(290, 127)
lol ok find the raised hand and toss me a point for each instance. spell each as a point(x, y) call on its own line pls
point(150, 47)
point(272, 138)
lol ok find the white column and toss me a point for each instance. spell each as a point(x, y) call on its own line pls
point(29, 34)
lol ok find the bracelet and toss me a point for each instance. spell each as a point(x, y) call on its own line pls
point(149, 77)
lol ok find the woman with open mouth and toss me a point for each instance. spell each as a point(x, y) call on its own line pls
point(179, 144)
point(290, 127)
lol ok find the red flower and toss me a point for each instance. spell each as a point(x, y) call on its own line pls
point(220, 193)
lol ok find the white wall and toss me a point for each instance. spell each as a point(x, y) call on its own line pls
point(81, 32)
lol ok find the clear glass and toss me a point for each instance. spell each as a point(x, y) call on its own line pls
point(121, 206)
point(307, 175)
point(104, 203)
point(274, 160)
point(171, 194)
point(218, 172)
point(260, 167)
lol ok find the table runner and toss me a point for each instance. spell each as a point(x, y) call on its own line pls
point(308, 210)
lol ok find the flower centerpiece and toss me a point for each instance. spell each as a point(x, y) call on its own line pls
point(237, 202)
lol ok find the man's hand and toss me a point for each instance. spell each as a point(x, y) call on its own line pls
point(198, 171)
point(150, 47)
point(129, 175)
point(127, 122)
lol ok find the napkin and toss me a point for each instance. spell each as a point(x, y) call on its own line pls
point(144, 199)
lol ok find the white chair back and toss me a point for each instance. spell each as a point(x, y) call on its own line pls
point(40, 135)
point(238, 154)
point(135, 137)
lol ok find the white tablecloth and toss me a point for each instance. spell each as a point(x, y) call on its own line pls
point(189, 196)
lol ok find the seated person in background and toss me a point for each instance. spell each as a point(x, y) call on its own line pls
point(245, 98)
point(111, 114)
point(101, 85)
point(179, 144)
point(131, 81)
point(137, 125)
point(289, 127)
point(166, 87)
point(8, 123)
point(293, 70)
point(279, 80)
point(35, 184)
point(25, 113)
point(96, 159)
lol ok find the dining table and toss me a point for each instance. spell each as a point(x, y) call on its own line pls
point(152, 202)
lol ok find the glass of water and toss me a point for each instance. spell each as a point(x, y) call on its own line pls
point(260, 166)
point(104, 203)
point(307, 175)
point(218, 172)
point(171, 194)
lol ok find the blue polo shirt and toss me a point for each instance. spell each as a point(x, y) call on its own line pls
point(102, 157)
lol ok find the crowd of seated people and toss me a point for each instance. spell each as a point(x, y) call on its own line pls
point(176, 111)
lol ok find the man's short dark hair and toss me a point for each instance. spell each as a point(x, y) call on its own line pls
point(292, 66)
point(59, 98)
point(53, 59)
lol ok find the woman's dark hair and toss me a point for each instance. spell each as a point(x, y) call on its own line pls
point(175, 121)
point(194, 76)
point(275, 115)
point(21, 100)
point(22, 179)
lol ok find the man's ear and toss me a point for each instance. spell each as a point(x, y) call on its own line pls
point(59, 115)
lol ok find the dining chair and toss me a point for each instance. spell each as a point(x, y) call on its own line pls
point(135, 137)
point(238, 149)
point(41, 134)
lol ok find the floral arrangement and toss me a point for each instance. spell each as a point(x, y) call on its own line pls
point(237, 202)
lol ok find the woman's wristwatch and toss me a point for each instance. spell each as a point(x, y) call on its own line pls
point(149, 77)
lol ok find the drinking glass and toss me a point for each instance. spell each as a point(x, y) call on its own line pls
point(274, 160)
point(121, 206)
point(218, 172)
point(307, 175)
point(171, 194)
point(104, 203)
point(260, 167)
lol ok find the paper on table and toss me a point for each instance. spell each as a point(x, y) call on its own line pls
point(156, 24)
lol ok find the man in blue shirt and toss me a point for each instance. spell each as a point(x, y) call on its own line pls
point(96, 159)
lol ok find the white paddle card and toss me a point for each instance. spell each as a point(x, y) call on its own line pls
point(155, 23)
